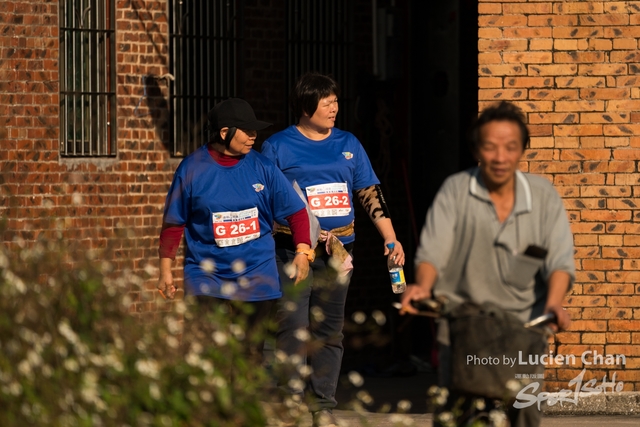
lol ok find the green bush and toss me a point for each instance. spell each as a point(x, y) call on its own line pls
point(72, 353)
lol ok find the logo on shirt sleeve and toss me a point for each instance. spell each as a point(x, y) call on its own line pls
point(347, 155)
point(258, 187)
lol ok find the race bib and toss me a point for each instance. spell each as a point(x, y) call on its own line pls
point(235, 228)
point(329, 199)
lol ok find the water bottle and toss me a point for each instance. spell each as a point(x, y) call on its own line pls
point(396, 272)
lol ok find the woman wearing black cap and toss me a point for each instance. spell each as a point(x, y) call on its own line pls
point(225, 198)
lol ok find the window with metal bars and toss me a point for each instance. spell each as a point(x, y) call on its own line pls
point(319, 38)
point(205, 50)
point(87, 78)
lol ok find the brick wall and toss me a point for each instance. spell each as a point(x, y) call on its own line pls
point(573, 67)
point(116, 202)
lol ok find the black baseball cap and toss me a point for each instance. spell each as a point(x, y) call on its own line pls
point(234, 113)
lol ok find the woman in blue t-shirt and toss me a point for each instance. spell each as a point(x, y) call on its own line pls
point(330, 166)
point(224, 199)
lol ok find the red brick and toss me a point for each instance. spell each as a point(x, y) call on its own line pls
point(553, 94)
point(502, 45)
point(528, 32)
point(502, 21)
point(573, 106)
point(527, 57)
point(580, 130)
point(553, 21)
point(528, 82)
point(502, 70)
point(604, 19)
point(499, 94)
point(578, 57)
point(578, 8)
point(580, 82)
point(602, 69)
point(582, 32)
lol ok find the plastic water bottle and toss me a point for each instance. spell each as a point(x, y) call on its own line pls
point(396, 273)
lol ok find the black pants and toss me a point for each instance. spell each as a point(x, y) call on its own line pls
point(256, 320)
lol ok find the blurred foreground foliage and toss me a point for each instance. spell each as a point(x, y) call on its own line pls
point(72, 354)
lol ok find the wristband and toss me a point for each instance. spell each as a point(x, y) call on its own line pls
point(310, 253)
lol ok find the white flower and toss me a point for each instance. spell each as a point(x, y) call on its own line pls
point(25, 368)
point(289, 269)
point(292, 306)
point(379, 317)
point(172, 341)
point(15, 388)
point(34, 358)
point(302, 334)
point(514, 385)
point(445, 417)
point(207, 367)
point(237, 331)
point(359, 317)
point(479, 404)
point(47, 371)
point(220, 338)
point(174, 326)
point(181, 307)
point(316, 313)
point(228, 289)
point(498, 418)
point(206, 396)
point(404, 405)
point(154, 391)
point(364, 397)
point(149, 368)
point(305, 370)
point(295, 359)
point(66, 331)
point(244, 283)
point(356, 379)
point(207, 265)
point(196, 347)
point(296, 384)
point(238, 266)
point(71, 365)
point(192, 359)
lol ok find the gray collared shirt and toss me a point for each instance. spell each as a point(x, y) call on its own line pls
point(482, 260)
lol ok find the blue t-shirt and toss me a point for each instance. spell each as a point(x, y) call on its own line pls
point(327, 171)
point(228, 214)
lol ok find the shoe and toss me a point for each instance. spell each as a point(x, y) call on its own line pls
point(324, 418)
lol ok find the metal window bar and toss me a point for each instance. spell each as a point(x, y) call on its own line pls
point(204, 46)
point(87, 76)
point(319, 38)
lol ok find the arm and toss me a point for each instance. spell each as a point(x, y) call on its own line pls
point(426, 276)
point(165, 281)
point(170, 238)
point(299, 225)
point(372, 201)
point(559, 283)
point(385, 228)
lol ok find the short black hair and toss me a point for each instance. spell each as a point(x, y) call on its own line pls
point(502, 112)
point(309, 90)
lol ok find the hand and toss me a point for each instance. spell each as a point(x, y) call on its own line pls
point(165, 285)
point(301, 270)
point(398, 251)
point(413, 293)
point(563, 319)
